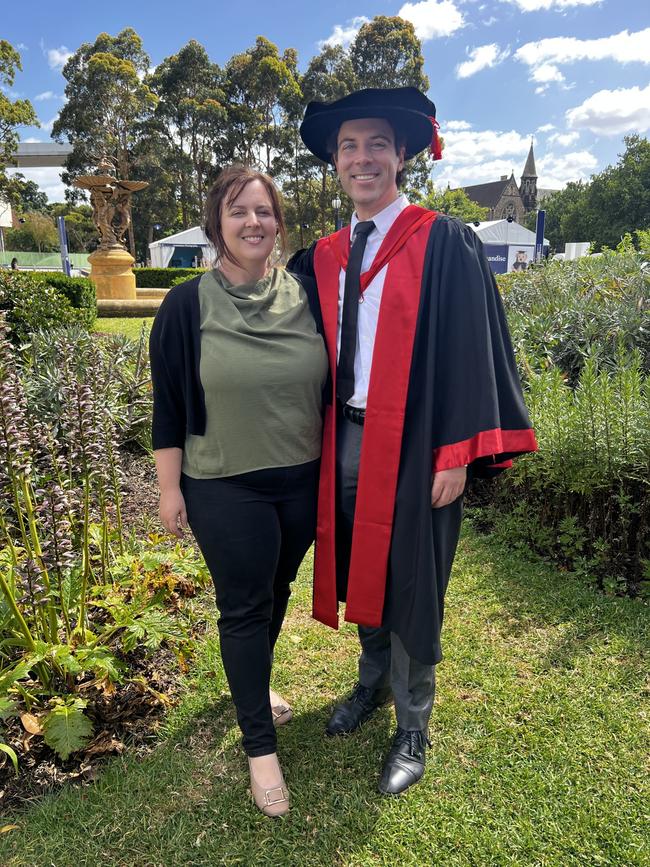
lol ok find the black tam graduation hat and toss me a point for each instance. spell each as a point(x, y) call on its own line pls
point(411, 113)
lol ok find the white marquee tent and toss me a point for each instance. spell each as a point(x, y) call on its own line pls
point(182, 249)
point(508, 246)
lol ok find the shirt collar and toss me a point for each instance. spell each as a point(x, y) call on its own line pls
point(384, 219)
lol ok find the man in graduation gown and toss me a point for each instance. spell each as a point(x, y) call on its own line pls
point(424, 391)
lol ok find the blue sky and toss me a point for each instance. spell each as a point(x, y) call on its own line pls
point(573, 74)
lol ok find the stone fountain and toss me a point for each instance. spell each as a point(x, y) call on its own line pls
point(111, 264)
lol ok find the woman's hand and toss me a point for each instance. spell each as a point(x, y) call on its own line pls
point(448, 485)
point(173, 514)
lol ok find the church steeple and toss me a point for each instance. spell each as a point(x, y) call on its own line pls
point(528, 186)
point(529, 169)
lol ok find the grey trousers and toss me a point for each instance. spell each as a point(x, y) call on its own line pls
point(383, 661)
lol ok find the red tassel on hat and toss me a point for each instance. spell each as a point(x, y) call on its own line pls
point(436, 150)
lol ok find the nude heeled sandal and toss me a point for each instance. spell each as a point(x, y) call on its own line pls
point(272, 802)
point(280, 710)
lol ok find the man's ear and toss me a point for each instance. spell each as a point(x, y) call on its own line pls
point(401, 154)
point(336, 168)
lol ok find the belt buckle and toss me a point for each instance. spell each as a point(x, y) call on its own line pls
point(354, 414)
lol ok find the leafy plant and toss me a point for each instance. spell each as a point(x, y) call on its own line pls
point(30, 303)
point(66, 728)
point(562, 313)
point(584, 498)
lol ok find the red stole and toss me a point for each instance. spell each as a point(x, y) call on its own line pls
point(403, 250)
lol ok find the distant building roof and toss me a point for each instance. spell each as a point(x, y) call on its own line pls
point(41, 154)
point(545, 193)
point(486, 195)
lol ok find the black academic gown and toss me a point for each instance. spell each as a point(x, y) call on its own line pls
point(460, 403)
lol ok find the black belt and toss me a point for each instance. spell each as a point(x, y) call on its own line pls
point(353, 413)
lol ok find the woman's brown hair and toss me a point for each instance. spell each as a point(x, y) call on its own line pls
point(229, 184)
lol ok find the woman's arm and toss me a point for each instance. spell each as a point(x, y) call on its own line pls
point(172, 504)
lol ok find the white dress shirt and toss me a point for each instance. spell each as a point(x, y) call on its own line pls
point(371, 300)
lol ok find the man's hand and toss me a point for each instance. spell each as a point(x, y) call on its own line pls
point(448, 485)
point(173, 515)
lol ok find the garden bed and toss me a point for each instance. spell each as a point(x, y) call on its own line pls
point(125, 715)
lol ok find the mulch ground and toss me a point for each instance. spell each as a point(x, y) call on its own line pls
point(127, 716)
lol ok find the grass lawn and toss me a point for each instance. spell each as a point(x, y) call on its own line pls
point(130, 326)
point(539, 749)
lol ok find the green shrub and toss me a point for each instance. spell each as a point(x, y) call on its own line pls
point(564, 312)
point(30, 303)
point(584, 499)
point(163, 278)
point(79, 291)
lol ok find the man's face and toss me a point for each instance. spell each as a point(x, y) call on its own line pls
point(367, 164)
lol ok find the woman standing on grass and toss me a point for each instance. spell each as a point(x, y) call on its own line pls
point(238, 367)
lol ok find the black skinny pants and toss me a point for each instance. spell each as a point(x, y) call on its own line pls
point(253, 530)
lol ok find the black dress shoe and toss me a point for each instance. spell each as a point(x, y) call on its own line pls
point(404, 763)
point(350, 714)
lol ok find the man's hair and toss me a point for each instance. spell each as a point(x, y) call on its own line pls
point(229, 184)
point(399, 139)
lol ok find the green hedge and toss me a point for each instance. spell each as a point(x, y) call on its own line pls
point(80, 291)
point(163, 278)
point(32, 301)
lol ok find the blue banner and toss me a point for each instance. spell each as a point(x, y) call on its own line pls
point(497, 256)
point(539, 236)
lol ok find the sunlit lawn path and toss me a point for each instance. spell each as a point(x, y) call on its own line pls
point(539, 733)
point(131, 327)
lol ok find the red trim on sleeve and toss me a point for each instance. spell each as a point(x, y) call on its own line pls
point(487, 442)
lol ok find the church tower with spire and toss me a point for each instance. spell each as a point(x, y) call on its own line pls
point(528, 185)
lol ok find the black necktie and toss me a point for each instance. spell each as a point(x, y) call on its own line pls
point(345, 366)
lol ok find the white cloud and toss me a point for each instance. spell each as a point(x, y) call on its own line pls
point(613, 112)
point(344, 34)
point(48, 180)
point(556, 170)
point(565, 140)
point(472, 147)
point(476, 157)
point(22, 47)
point(537, 5)
point(490, 21)
point(546, 73)
point(546, 128)
point(544, 57)
point(58, 57)
point(433, 18)
point(456, 125)
point(47, 94)
point(47, 125)
point(483, 57)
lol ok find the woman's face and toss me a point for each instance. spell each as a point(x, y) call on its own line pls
point(248, 224)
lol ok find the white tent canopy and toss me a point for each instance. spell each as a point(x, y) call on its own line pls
point(503, 232)
point(189, 242)
point(508, 246)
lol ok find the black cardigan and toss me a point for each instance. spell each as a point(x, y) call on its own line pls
point(175, 354)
